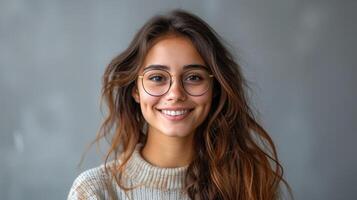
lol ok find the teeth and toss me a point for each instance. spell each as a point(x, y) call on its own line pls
point(173, 112)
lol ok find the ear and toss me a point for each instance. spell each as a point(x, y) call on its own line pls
point(135, 94)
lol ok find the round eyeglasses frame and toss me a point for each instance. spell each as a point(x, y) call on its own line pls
point(171, 77)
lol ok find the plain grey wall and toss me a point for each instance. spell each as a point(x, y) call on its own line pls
point(299, 55)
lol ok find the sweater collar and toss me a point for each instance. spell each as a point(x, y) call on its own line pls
point(142, 172)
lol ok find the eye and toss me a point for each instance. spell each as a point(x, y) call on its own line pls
point(157, 78)
point(193, 78)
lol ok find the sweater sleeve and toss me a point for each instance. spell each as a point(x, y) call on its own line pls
point(90, 185)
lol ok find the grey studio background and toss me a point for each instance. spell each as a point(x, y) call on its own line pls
point(299, 55)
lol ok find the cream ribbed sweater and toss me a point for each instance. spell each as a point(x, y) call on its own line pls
point(156, 183)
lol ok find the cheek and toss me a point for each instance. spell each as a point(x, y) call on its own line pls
point(147, 102)
point(204, 102)
point(205, 99)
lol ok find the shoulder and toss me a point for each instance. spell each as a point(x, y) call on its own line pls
point(94, 183)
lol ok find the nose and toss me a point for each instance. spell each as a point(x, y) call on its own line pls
point(176, 91)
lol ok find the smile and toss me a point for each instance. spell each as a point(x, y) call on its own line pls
point(175, 115)
point(174, 112)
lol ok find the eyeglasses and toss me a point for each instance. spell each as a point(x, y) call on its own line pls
point(195, 82)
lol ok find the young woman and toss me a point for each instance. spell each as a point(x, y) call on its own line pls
point(179, 123)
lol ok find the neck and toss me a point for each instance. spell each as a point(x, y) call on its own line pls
point(168, 152)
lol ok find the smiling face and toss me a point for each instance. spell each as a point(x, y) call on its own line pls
point(175, 113)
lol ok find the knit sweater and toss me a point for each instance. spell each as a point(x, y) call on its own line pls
point(151, 182)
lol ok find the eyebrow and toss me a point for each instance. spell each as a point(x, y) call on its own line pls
point(185, 67)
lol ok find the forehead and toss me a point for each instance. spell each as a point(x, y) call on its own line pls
point(173, 53)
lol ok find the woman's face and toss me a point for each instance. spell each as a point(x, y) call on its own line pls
point(176, 113)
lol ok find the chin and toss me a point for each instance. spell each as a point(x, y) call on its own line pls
point(176, 133)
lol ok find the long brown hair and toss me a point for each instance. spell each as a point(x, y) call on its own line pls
point(235, 158)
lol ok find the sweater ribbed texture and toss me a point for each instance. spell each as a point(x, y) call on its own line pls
point(152, 182)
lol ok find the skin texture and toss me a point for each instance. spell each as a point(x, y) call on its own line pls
point(169, 143)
